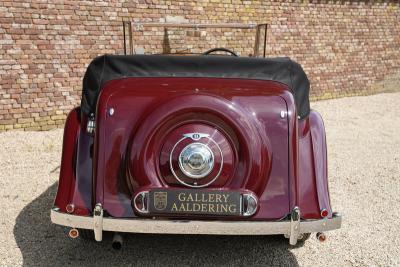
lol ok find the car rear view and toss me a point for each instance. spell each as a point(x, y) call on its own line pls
point(195, 144)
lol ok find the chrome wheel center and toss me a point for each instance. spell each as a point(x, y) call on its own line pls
point(196, 160)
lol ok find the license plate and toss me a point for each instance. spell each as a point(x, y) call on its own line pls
point(205, 202)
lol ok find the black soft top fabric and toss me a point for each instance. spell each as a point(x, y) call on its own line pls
point(111, 67)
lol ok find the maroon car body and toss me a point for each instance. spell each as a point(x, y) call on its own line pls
point(124, 161)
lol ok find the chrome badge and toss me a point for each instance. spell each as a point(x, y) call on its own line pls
point(196, 136)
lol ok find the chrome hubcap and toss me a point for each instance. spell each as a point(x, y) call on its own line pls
point(196, 160)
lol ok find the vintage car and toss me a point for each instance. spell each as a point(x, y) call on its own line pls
point(194, 144)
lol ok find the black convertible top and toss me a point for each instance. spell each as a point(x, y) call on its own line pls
point(109, 67)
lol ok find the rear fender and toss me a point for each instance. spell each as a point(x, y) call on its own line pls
point(313, 174)
point(75, 181)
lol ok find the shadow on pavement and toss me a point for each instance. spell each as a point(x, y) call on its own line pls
point(42, 243)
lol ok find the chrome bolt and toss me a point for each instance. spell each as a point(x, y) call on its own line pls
point(111, 111)
point(70, 208)
point(283, 114)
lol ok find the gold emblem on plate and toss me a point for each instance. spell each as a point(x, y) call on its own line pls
point(160, 200)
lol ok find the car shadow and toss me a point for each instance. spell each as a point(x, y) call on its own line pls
point(42, 243)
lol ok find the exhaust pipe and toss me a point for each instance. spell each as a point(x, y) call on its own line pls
point(321, 237)
point(117, 241)
point(73, 233)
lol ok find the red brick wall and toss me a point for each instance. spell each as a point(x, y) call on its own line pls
point(346, 47)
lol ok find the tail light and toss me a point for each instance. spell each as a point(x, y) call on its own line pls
point(324, 213)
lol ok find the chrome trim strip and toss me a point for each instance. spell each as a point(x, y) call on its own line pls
point(241, 204)
point(159, 226)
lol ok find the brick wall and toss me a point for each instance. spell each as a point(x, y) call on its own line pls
point(346, 47)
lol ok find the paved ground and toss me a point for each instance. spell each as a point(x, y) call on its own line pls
point(364, 169)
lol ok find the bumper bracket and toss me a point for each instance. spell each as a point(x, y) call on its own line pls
point(98, 222)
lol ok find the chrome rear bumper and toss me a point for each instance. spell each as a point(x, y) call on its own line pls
point(292, 228)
